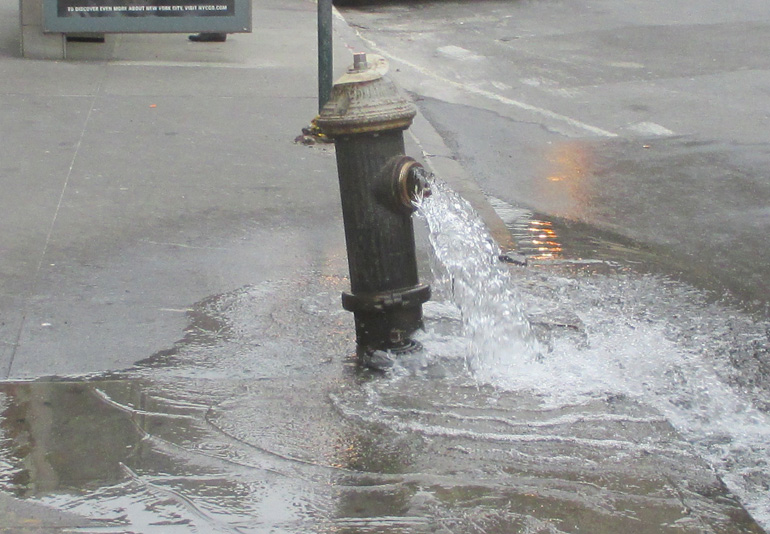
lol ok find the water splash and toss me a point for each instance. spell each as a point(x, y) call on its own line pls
point(644, 338)
point(469, 269)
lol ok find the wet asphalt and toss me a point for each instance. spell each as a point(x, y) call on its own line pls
point(147, 174)
point(637, 118)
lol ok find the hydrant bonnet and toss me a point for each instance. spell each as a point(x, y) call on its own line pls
point(364, 100)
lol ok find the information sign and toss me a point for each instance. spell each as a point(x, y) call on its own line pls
point(137, 16)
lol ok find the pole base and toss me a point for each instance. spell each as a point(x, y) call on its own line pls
point(382, 360)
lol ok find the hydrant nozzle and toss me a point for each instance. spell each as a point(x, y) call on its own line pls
point(410, 180)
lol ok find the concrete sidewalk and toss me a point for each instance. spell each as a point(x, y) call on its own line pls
point(148, 173)
point(143, 180)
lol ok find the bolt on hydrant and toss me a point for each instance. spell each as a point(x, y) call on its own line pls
point(366, 116)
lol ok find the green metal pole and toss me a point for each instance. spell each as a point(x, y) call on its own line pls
point(325, 66)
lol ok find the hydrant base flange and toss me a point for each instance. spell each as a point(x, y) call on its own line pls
point(403, 298)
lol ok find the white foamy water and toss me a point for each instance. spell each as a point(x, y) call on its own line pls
point(641, 337)
point(501, 338)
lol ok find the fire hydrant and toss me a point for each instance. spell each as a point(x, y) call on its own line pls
point(366, 116)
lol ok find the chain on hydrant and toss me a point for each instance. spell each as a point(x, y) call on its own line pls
point(366, 116)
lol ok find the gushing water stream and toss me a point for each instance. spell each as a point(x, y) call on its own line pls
point(467, 265)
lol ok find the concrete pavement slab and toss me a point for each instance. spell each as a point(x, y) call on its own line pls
point(120, 307)
point(158, 208)
point(26, 77)
point(154, 186)
point(36, 154)
point(10, 324)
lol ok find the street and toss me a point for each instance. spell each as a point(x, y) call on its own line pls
point(646, 121)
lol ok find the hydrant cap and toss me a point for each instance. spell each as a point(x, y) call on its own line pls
point(373, 67)
point(365, 100)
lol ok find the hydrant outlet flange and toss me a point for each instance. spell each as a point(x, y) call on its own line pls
point(410, 182)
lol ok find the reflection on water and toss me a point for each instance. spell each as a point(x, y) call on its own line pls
point(540, 241)
point(553, 242)
point(51, 429)
point(566, 179)
point(570, 162)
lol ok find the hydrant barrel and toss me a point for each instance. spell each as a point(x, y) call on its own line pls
point(381, 248)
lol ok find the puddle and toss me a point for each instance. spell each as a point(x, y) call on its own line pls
point(260, 421)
